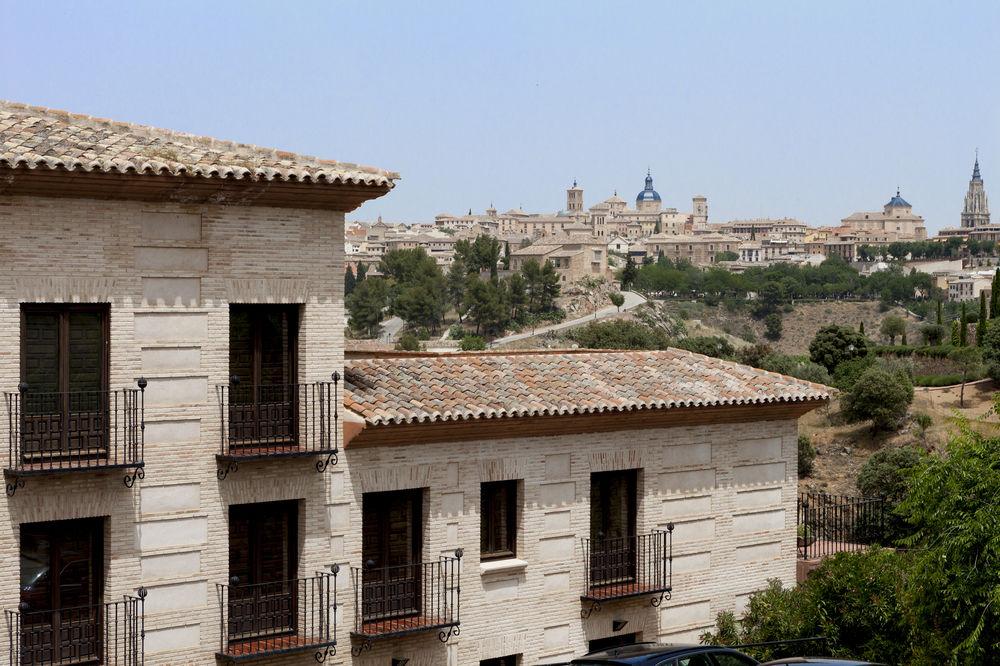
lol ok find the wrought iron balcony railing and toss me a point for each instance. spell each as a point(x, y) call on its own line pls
point(830, 524)
point(74, 431)
point(408, 598)
point(111, 634)
point(298, 615)
point(627, 567)
point(278, 420)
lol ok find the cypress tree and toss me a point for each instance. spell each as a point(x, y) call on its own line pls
point(902, 340)
point(981, 324)
point(963, 327)
point(940, 321)
point(954, 333)
point(995, 295)
point(861, 328)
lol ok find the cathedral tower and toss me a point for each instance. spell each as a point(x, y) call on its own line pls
point(574, 199)
point(976, 211)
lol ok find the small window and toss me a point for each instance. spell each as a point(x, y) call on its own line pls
point(509, 660)
point(498, 519)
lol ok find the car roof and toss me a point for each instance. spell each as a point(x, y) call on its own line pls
point(637, 652)
point(819, 661)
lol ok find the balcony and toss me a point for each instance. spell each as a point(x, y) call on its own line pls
point(261, 422)
point(75, 431)
point(627, 567)
point(282, 617)
point(405, 599)
point(111, 634)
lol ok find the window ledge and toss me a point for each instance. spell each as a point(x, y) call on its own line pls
point(508, 565)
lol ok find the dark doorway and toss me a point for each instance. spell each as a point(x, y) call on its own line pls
point(391, 552)
point(611, 642)
point(613, 503)
point(263, 559)
point(62, 569)
point(263, 402)
point(64, 375)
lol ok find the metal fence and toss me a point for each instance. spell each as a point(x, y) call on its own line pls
point(112, 634)
point(628, 566)
point(830, 524)
point(280, 419)
point(66, 431)
point(392, 600)
point(296, 615)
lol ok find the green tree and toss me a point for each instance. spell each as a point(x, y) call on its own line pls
point(350, 281)
point(362, 271)
point(541, 285)
point(422, 304)
point(366, 305)
point(955, 336)
point(472, 343)
point(933, 334)
point(506, 255)
point(629, 273)
point(617, 300)
point(995, 295)
point(619, 334)
point(482, 254)
point(833, 345)
point(408, 341)
point(953, 504)
point(991, 351)
point(727, 255)
point(457, 274)
point(963, 327)
point(940, 319)
point(886, 473)
point(880, 396)
point(968, 359)
point(982, 323)
point(484, 304)
point(807, 455)
point(772, 326)
point(417, 290)
point(861, 328)
point(709, 345)
point(517, 296)
point(891, 327)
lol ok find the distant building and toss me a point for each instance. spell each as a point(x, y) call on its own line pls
point(895, 219)
point(976, 211)
point(699, 250)
point(575, 255)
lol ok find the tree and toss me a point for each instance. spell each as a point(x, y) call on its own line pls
point(726, 255)
point(484, 303)
point(861, 328)
point(541, 285)
point(835, 344)
point(952, 504)
point(617, 300)
point(772, 326)
point(482, 254)
point(968, 359)
point(366, 305)
point(940, 320)
point(422, 304)
point(417, 290)
point(891, 327)
point(807, 454)
point(472, 343)
point(963, 327)
point(995, 295)
point(955, 336)
point(349, 281)
point(709, 345)
point(619, 334)
point(991, 351)
point(880, 396)
point(408, 341)
point(506, 255)
point(933, 334)
point(629, 273)
point(457, 274)
point(362, 271)
point(981, 324)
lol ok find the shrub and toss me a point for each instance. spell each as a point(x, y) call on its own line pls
point(619, 334)
point(923, 421)
point(408, 341)
point(753, 355)
point(456, 332)
point(807, 456)
point(846, 374)
point(472, 343)
point(811, 372)
point(835, 344)
point(880, 396)
point(885, 473)
point(933, 334)
point(709, 345)
point(772, 326)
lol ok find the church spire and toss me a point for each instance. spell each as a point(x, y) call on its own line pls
point(975, 168)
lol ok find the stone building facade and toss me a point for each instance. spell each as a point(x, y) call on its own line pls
point(238, 490)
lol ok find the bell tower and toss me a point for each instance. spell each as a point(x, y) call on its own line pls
point(976, 211)
point(574, 199)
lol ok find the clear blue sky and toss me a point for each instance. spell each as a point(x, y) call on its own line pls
point(805, 109)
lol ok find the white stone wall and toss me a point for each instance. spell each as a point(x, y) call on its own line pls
point(170, 272)
point(729, 489)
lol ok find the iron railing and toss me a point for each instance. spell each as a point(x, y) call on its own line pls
point(264, 421)
point(76, 430)
point(830, 524)
point(628, 567)
point(297, 615)
point(407, 598)
point(112, 634)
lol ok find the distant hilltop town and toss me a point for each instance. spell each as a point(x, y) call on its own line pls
point(581, 241)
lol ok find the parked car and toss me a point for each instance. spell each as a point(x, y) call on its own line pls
point(654, 654)
point(820, 661)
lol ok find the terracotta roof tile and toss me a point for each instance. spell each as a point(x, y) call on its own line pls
point(39, 138)
point(409, 389)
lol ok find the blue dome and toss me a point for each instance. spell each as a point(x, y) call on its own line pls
point(897, 201)
point(647, 194)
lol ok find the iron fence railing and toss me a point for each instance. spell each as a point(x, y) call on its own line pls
point(627, 567)
point(261, 421)
point(830, 524)
point(75, 430)
point(402, 599)
point(112, 634)
point(297, 615)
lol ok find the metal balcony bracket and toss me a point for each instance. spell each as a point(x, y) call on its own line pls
point(223, 471)
point(595, 607)
point(664, 596)
point(453, 630)
point(13, 483)
point(331, 459)
point(365, 644)
point(321, 655)
point(139, 473)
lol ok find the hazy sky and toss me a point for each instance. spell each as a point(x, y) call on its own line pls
point(805, 109)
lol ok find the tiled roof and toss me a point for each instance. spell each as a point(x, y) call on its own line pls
point(450, 387)
point(39, 138)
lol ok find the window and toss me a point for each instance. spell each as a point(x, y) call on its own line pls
point(62, 567)
point(263, 558)
point(498, 519)
point(64, 365)
point(612, 527)
point(611, 642)
point(509, 660)
point(262, 365)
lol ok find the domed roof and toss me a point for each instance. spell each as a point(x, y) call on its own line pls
point(614, 199)
point(648, 193)
point(897, 201)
